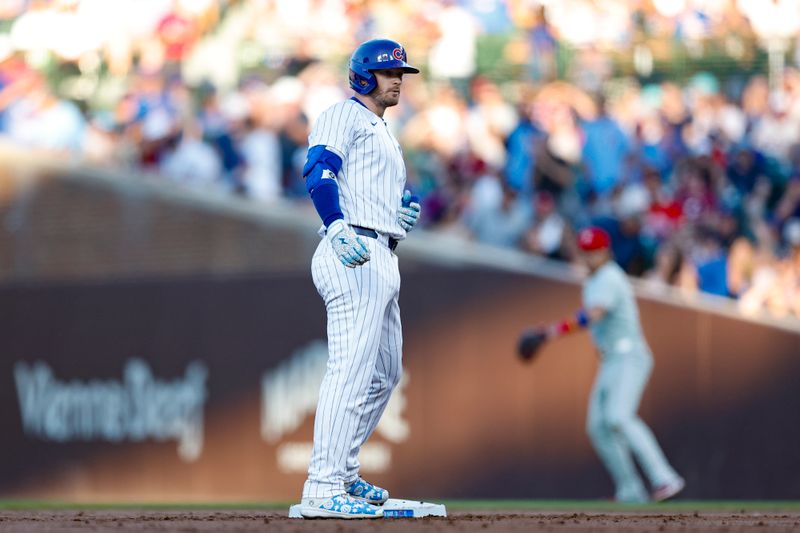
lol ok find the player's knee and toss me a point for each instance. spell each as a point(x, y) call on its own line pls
point(618, 421)
point(395, 376)
point(390, 379)
point(595, 427)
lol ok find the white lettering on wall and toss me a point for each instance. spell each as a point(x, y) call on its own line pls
point(289, 395)
point(137, 408)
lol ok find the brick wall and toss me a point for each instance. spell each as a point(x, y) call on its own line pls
point(74, 223)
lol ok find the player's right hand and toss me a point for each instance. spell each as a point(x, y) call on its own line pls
point(347, 246)
point(409, 212)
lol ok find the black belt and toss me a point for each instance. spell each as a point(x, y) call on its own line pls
point(372, 234)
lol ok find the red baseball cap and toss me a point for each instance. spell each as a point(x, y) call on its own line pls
point(593, 238)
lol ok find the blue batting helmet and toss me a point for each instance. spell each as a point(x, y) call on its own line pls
point(372, 55)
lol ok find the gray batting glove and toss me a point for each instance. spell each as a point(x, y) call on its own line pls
point(349, 248)
point(409, 211)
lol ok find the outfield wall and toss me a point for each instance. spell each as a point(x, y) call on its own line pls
point(198, 382)
point(204, 389)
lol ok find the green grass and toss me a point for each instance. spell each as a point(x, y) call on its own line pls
point(601, 505)
point(29, 505)
point(454, 505)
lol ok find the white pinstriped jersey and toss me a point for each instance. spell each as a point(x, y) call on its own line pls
point(373, 175)
point(365, 340)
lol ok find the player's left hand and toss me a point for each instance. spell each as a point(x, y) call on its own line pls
point(530, 342)
point(409, 211)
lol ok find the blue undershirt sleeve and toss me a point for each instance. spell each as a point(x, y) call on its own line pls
point(326, 201)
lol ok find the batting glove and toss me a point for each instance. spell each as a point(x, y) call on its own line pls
point(349, 248)
point(409, 211)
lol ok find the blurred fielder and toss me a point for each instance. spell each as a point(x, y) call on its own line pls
point(616, 431)
point(356, 177)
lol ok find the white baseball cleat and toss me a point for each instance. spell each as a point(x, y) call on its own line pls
point(340, 506)
point(668, 490)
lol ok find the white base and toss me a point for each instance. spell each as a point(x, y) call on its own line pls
point(394, 508)
point(418, 509)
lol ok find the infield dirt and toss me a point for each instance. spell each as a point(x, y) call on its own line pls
point(231, 520)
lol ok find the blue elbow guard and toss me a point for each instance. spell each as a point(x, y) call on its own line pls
point(321, 164)
point(582, 318)
point(320, 172)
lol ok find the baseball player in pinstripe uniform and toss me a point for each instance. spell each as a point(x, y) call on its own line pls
point(356, 177)
point(616, 431)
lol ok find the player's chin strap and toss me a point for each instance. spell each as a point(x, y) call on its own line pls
point(581, 320)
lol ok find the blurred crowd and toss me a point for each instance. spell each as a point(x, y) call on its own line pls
point(698, 182)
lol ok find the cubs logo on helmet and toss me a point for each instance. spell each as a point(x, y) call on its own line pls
point(376, 54)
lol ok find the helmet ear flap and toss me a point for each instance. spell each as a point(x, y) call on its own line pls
point(362, 84)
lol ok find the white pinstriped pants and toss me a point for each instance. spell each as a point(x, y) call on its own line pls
point(365, 345)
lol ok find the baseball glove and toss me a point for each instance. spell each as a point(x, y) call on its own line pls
point(530, 342)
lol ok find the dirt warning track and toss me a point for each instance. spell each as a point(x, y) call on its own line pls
point(458, 521)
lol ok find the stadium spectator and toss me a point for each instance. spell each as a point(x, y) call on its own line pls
point(191, 160)
point(667, 268)
point(605, 148)
point(549, 234)
point(497, 214)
